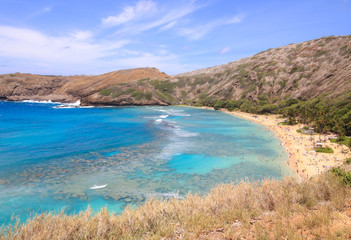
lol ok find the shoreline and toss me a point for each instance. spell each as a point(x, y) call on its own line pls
point(302, 158)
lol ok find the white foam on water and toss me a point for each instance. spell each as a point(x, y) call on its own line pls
point(69, 105)
point(164, 195)
point(158, 121)
point(185, 134)
point(176, 113)
point(172, 195)
point(164, 111)
point(160, 116)
point(86, 106)
point(98, 187)
point(34, 101)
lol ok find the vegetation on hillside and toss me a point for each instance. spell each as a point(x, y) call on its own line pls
point(270, 209)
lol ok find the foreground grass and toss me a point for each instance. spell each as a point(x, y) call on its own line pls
point(288, 209)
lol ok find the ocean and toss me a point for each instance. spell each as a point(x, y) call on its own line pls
point(54, 159)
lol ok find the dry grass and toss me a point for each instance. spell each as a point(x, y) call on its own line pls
point(288, 209)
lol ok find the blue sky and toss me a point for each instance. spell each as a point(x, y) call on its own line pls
point(69, 37)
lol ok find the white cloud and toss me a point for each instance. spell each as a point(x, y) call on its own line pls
point(225, 50)
point(133, 21)
point(142, 9)
point(46, 9)
point(197, 32)
point(34, 46)
point(32, 51)
point(41, 11)
point(82, 35)
point(168, 26)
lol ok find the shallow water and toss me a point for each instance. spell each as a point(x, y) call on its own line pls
point(51, 158)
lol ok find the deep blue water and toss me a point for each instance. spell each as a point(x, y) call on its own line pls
point(50, 158)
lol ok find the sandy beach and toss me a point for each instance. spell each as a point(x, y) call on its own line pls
point(302, 158)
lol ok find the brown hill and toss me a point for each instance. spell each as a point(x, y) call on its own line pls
point(71, 88)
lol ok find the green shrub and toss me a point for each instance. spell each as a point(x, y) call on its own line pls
point(219, 104)
point(246, 105)
point(105, 92)
point(138, 95)
point(348, 161)
point(267, 108)
point(164, 86)
point(148, 95)
point(345, 51)
point(319, 53)
point(343, 176)
point(324, 150)
point(142, 81)
point(282, 83)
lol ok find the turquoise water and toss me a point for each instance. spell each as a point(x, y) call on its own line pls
point(51, 158)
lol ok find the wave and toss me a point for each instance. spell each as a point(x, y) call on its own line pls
point(176, 113)
point(160, 116)
point(69, 105)
point(86, 106)
point(35, 101)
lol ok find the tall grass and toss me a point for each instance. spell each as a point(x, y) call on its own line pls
point(271, 209)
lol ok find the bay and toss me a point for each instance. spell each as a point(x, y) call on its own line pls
point(54, 159)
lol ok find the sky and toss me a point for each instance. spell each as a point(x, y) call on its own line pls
point(74, 37)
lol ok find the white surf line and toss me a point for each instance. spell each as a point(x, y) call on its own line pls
point(98, 187)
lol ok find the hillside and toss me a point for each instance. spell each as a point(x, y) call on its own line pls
point(71, 88)
point(301, 71)
point(298, 71)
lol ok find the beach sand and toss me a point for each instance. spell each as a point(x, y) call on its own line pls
point(302, 158)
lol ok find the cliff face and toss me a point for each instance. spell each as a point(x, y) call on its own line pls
point(300, 71)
